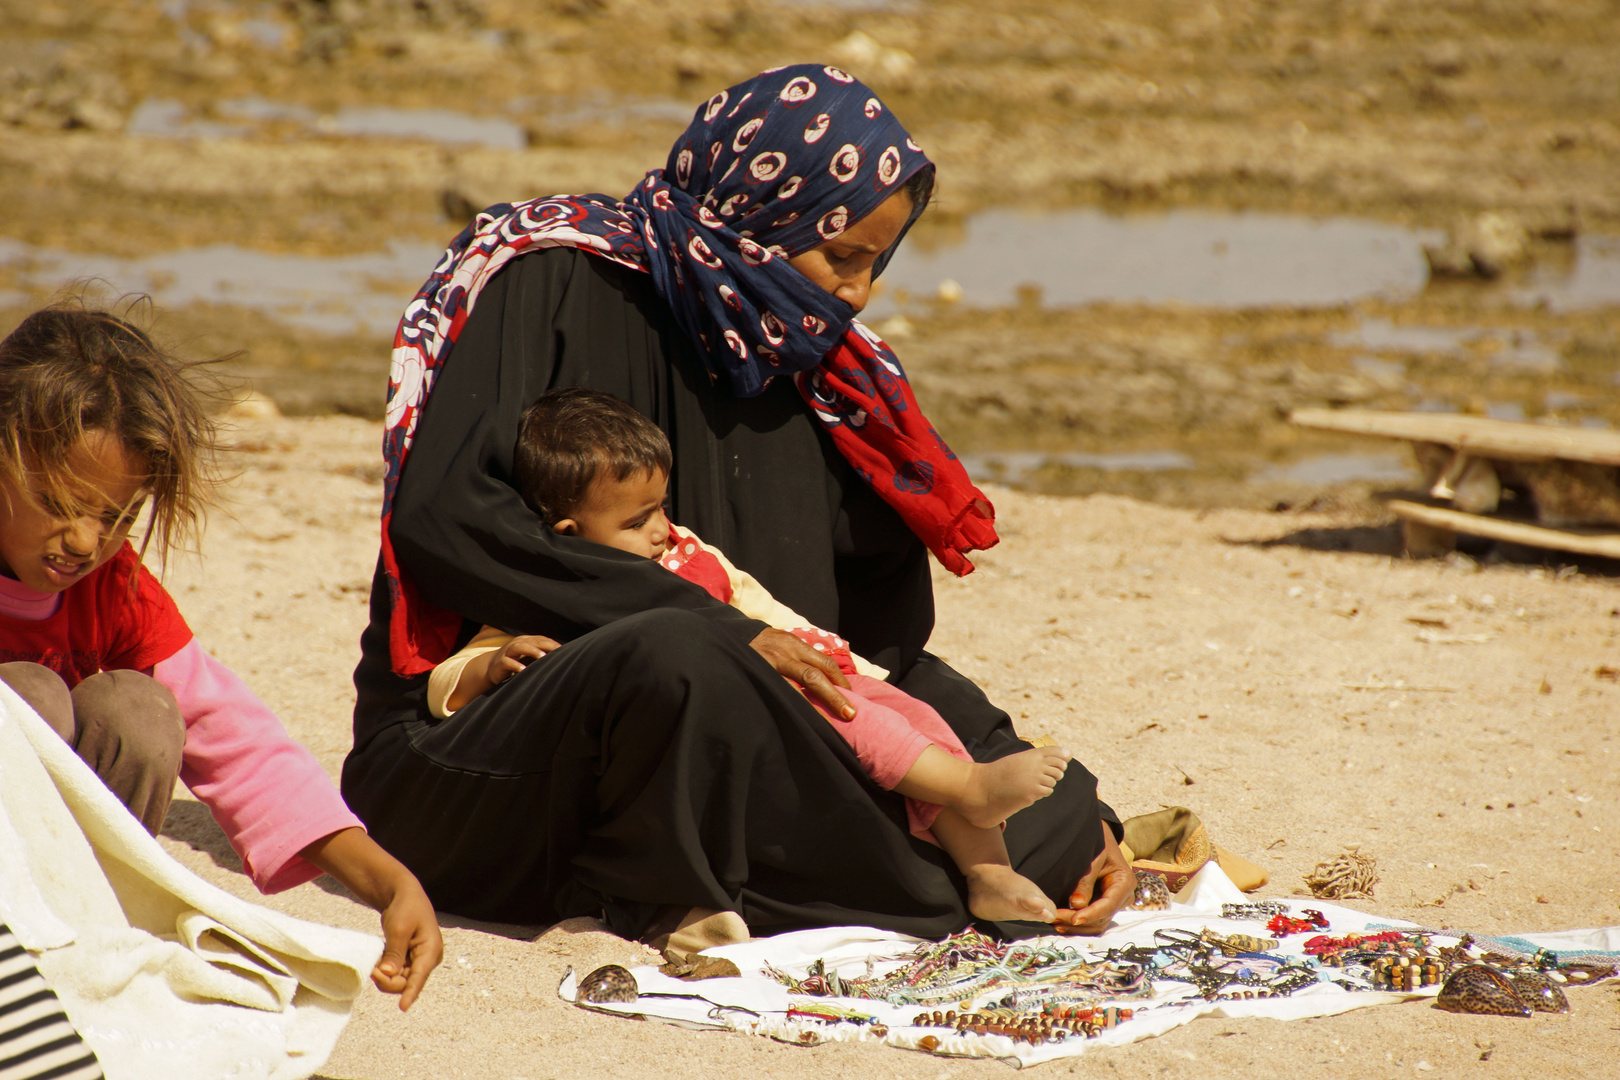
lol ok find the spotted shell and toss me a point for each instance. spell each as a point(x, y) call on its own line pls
point(1540, 992)
point(610, 982)
point(1152, 894)
point(1480, 989)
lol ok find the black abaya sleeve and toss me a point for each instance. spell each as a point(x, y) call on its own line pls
point(461, 531)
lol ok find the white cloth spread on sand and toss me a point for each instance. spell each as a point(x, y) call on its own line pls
point(166, 976)
point(758, 1004)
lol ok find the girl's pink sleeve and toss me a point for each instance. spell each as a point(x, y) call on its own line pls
point(267, 792)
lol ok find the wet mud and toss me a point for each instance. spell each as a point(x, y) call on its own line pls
point(1206, 215)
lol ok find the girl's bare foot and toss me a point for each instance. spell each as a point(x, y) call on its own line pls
point(998, 789)
point(999, 893)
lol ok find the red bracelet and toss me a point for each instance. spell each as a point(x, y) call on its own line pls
point(1283, 924)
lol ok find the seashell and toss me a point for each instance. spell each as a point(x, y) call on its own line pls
point(1483, 990)
point(610, 982)
point(1539, 992)
point(1152, 893)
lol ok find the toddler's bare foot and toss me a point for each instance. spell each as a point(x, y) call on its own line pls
point(998, 789)
point(1000, 893)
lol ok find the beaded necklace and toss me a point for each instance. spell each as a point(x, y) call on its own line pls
point(967, 965)
point(1519, 949)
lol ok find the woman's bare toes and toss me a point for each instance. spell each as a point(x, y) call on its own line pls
point(999, 893)
point(1001, 788)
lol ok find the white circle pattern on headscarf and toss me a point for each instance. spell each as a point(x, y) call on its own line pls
point(846, 163)
point(798, 92)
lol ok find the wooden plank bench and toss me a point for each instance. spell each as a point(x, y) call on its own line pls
point(1570, 474)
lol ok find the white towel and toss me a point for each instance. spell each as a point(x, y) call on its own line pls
point(166, 976)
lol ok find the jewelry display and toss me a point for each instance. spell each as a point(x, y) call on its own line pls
point(1042, 992)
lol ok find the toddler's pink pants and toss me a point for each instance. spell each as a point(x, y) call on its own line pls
point(890, 731)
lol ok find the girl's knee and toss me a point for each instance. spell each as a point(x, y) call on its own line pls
point(133, 711)
point(45, 693)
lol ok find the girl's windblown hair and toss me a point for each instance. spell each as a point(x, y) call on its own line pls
point(70, 369)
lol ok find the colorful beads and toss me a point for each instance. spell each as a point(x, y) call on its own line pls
point(1235, 944)
point(1285, 925)
point(1331, 950)
point(1052, 1024)
point(1260, 909)
point(1407, 972)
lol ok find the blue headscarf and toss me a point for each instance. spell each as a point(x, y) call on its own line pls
point(767, 170)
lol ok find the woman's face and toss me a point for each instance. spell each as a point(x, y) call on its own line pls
point(843, 265)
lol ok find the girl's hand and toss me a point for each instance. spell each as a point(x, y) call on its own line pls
point(816, 672)
point(516, 656)
point(412, 945)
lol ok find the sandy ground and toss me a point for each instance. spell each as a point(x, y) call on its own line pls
point(1282, 674)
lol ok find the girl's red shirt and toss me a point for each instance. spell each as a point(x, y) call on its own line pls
point(102, 624)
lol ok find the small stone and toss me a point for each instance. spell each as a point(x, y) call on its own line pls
point(1445, 59)
point(1497, 241)
point(94, 115)
point(897, 328)
point(252, 405)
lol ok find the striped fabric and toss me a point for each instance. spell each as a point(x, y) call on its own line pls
point(36, 1040)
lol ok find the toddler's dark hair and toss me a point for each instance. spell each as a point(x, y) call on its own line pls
point(570, 436)
point(69, 369)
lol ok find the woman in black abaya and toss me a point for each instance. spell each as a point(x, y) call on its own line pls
point(659, 758)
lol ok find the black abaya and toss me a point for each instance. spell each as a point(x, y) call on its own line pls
point(656, 759)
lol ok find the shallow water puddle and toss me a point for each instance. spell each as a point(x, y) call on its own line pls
point(163, 118)
point(1188, 256)
point(598, 108)
point(330, 294)
point(1508, 349)
point(430, 125)
point(1324, 469)
point(1594, 281)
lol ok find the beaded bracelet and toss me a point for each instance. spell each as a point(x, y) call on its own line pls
point(1285, 925)
point(1321, 944)
point(1258, 911)
point(1233, 944)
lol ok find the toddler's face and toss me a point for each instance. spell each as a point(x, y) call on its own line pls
point(625, 514)
point(49, 547)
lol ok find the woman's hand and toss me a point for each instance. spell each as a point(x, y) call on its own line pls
point(816, 672)
point(412, 945)
point(1113, 882)
point(502, 665)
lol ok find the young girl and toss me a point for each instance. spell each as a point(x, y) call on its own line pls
point(95, 422)
point(592, 466)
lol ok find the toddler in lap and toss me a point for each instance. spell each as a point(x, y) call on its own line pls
point(591, 466)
